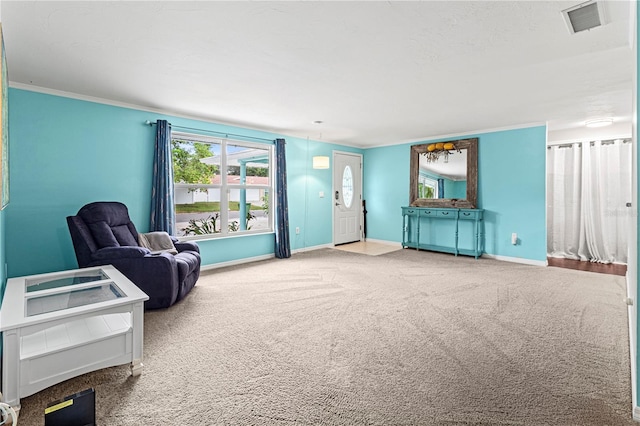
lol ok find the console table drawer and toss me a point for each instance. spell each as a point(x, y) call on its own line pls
point(447, 214)
point(409, 211)
point(439, 213)
point(470, 214)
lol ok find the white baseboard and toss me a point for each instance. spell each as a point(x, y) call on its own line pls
point(387, 242)
point(636, 413)
point(516, 260)
point(331, 245)
point(236, 262)
point(321, 246)
point(258, 258)
point(489, 256)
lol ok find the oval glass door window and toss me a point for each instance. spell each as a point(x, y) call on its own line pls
point(347, 186)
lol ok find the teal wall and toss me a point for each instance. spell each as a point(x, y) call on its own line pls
point(511, 190)
point(455, 189)
point(66, 153)
point(309, 212)
point(386, 190)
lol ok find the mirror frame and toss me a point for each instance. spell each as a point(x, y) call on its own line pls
point(471, 145)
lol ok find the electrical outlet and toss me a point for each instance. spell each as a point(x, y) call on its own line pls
point(297, 230)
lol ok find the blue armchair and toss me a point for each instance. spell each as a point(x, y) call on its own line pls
point(103, 234)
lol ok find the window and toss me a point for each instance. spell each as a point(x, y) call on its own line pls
point(427, 187)
point(222, 187)
point(347, 186)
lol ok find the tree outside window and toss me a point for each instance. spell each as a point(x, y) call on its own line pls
point(210, 200)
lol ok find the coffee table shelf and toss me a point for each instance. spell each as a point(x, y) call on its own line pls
point(73, 334)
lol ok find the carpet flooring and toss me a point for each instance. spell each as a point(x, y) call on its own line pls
point(330, 337)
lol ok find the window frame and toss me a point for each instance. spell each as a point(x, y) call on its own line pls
point(225, 187)
point(429, 182)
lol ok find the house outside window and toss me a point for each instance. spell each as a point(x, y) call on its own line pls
point(222, 187)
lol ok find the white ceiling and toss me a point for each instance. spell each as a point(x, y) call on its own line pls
point(375, 73)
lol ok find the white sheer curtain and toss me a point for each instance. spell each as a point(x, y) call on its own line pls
point(588, 187)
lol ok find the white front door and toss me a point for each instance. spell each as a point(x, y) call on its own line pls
point(347, 197)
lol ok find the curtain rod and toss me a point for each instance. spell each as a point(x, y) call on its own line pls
point(226, 135)
point(603, 142)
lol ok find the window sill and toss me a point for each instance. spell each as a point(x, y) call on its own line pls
point(209, 237)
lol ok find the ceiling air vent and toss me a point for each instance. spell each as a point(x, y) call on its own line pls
point(584, 16)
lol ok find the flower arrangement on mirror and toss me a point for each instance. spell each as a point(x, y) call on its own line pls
point(440, 149)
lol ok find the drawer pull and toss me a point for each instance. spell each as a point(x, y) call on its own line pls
point(445, 213)
point(466, 214)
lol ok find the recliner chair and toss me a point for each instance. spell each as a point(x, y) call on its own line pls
point(103, 234)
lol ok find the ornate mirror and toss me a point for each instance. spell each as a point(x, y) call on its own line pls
point(444, 174)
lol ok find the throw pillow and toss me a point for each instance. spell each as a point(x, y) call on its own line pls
point(103, 235)
point(124, 236)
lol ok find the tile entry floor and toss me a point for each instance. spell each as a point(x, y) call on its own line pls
point(371, 248)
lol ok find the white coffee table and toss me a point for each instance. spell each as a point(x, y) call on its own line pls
point(60, 325)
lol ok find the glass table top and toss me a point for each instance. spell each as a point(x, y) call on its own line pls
point(39, 299)
point(73, 298)
point(79, 277)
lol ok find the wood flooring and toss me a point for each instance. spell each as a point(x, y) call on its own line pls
point(601, 268)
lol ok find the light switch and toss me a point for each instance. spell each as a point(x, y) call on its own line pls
point(321, 194)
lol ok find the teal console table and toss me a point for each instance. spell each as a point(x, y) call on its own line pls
point(448, 230)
